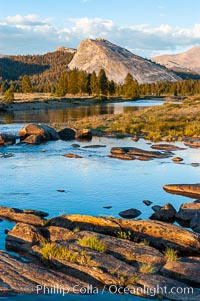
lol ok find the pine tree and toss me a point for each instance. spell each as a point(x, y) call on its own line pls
point(94, 84)
point(111, 87)
point(73, 87)
point(103, 82)
point(26, 84)
point(82, 82)
point(62, 87)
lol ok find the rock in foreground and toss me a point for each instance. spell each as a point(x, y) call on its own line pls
point(44, 131)
point(22, 216)
point(159, 234)
point(183, 189)
point(104, 252)
point(21, 277)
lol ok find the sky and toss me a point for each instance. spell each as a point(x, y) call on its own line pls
point(145, 27)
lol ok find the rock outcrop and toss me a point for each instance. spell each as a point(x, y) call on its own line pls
point(183, 189)
point(23, 277)
point(165, 213)
point(74, 251)
point(44, 131)
point(18, 215)
point(94, 55)
point(188, 210)
point(159, 234)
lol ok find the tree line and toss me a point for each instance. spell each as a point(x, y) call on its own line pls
point(78, 82)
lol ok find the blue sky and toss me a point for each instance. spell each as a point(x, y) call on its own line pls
point(146, 27)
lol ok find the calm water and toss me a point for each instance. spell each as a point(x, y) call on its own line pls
point(31, 179)
point(74, 113)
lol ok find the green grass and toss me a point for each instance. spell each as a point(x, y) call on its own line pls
point(132, 279)
point(92, 243)
point(124, 235)
point(171, 255)
point(76, 230)
point(52, 251)
point(146, 268)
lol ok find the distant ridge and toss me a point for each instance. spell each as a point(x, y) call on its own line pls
point(188, 61)
point(93, 55)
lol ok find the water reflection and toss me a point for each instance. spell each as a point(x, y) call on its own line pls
point(74, 112)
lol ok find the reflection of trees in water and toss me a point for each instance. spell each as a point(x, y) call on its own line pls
point(63, 115)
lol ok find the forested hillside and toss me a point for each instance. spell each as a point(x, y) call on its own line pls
point(44, 70)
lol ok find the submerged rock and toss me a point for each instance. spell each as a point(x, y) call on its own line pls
point(72, 156)
point(138, 152)
point(130, 213)
point(75, 145)
point(141, 152)
point(121, 156)
point(195, 164)
point(94, 146)
point(147, 202)
point(6, 155)
point(163, 146)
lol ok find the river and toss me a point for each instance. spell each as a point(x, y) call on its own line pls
point(76, 112)
point(31, 178)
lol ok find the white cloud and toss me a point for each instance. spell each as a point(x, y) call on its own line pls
point(31, 34)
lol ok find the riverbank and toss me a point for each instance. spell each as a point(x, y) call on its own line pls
point(169, 122)
point(46, 101)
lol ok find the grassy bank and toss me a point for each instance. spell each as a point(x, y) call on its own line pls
point(169, 122)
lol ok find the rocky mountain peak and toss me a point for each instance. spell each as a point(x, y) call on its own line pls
point(95, 54)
